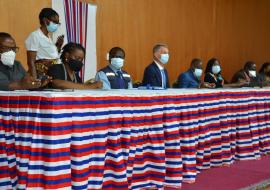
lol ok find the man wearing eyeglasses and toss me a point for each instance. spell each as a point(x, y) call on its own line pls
point(12, 74)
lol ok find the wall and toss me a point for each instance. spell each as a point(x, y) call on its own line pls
point(20, 18)
point(232, 30)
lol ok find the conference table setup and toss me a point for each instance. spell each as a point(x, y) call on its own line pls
point(127, 139)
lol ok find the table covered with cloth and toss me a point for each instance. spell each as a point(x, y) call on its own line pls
point(130, 139)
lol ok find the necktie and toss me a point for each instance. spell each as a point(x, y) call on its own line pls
point(120, 80)
point(163, 77)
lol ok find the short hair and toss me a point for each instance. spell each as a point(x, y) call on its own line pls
point(69, 48)
point(114, 50)
point(195, 61)
point(266, 64)
point(248, 64)
point(157, 47)
point(4, 35)
point(46, 13)
point(210, 64)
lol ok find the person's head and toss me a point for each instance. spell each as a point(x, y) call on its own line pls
point(213, 66)
point(161, 53)
point(265, 69)
point(8, 49)
point(49, 18)
point(117, 57)
point(196, 67)
point(73, 55)
point(250, 68)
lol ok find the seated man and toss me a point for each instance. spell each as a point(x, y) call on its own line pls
point(112, 76)
point(155, 74)
point(65, 76)
point(12, 74)
point(247, 75)
point(192, 77)
point(264, 74)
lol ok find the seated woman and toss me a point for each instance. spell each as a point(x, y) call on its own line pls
point(264, 74)
point(213, 75)
point(65, 75)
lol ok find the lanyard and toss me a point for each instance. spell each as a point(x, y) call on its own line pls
point(65, 71)
point(213, 76)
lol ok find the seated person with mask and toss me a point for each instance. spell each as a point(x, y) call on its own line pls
point(247, 75)
point(12, 74)
point(65, 75)
point(264, 74)
point(192, 77)
point(155, 74)
point(213, 75)
point(112, 76)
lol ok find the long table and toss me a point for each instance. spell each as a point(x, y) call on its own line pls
point(128, 139)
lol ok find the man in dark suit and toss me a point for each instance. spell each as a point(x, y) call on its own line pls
point(192, 77)
point(247, 75)
point(155, 74)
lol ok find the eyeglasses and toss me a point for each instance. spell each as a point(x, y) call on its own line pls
point(6, 48)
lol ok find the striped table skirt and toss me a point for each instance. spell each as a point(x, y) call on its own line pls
point(130, 139)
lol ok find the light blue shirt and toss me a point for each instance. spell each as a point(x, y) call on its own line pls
point(163, 76)
point(101, 76)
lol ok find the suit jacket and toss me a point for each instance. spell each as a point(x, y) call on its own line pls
point(188, 80)
point(242, 75)
point(152, 76)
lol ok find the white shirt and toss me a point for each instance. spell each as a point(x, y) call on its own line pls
point(160, 69)
point(43, 45)
point(159, 66)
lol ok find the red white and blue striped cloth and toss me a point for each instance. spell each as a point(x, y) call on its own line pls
point(76, 17)
point(129, 139)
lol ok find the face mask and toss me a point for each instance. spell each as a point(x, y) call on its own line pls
point(52, 27)
point(164, 58)
point(75, 65)
point(252, 73)
point(220, 77)
point(216, 69)
point(198, 73)
point(8, 58)
point(117, 62)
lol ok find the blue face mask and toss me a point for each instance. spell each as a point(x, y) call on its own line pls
point(216, 69)
point(198, 73)
point(52, 27)
point(164, 58)
point(118, 63)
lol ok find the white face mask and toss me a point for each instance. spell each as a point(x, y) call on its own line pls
point(8, 58)
point(164, 58)
point(252, 73)
point(198, 73)
point(118, 63)
point(216, 69)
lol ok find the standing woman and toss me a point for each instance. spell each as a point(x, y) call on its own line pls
point(213, 73)
point(41, 51)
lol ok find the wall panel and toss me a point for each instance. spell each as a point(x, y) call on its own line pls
point(232, 30)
